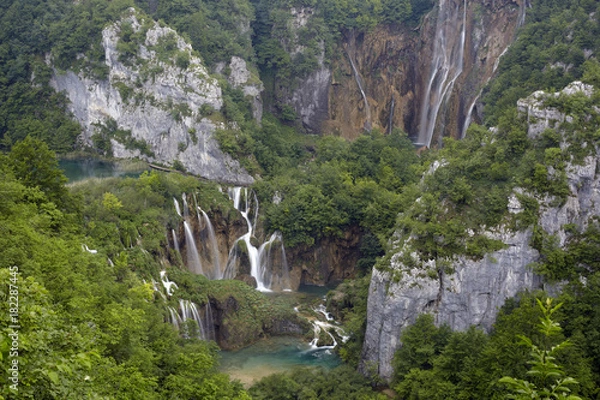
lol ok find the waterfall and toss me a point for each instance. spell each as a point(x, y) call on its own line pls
point(391, 123)
point(174, 318)
point(469, 115)
point(357, 78)
point(261, 265)
point(209, 323)
point(193, 258)
point(446, 65)
point(177, 206)
point(268, 255)
point(186, 210)
point(214, 247)
point(189, 311)
point(175, 241)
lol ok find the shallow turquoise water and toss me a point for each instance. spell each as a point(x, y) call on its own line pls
point(273, 355)
point(85, 168)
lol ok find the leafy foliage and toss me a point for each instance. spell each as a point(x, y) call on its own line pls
point(434, 363)
point(315, 384)
point(546, 377)
point(89, 329)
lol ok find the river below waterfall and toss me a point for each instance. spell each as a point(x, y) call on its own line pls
point(274, 355)
point(279, 353)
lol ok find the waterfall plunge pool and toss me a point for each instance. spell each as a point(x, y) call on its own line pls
point(279, 353)
point(274, 355)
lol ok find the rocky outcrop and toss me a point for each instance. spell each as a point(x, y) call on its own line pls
point(241, 77)
point(541, 117)
point(160, 99)
point(330, 260)
point(471, 292)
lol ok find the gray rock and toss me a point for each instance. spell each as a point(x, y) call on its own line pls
point(539, 117)
point(474, 292)
point(163, 107)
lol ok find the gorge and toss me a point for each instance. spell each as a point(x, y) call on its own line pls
point(387, 189)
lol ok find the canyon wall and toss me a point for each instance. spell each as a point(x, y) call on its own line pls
point(471, 292)
point(420, 78)
point(156, 104)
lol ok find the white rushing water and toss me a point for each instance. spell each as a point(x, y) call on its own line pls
point(358, 80)
point(217, 273)
point(262, 259)
point(446, 64)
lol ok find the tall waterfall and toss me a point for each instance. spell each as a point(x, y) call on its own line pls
point(357, 78)
point(193, 258)
point(446, 64)
point(217, 273)
point(263, 260)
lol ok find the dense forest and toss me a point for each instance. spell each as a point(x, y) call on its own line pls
point(80, 258)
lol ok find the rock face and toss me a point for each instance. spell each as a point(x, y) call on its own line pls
point(473, 293)
point(540, 117)
point(161, 97)
point(394, 64)
point(328, 261)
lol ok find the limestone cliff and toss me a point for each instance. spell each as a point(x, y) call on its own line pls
point(398, 82)
point(471, 292)
point(160, 99)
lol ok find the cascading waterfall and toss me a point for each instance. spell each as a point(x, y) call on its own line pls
point(357, 78)
point(175, 241)
point(446, 65)
point(209, 323)
point(261, 265)
point(214, 247)
point(327, 327)
point(167, 284)
point(189, 311)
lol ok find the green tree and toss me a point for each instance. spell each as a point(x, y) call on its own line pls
point(547, 379)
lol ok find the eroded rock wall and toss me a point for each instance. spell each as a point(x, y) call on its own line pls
point(473, 292)
point(395, 65)
point(161, 102)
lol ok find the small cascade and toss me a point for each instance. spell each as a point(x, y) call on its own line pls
point(214, 247)
point(261, 259)
point(193, 259)
point(358, 80)
point(446, 65)
point(323, 310)
point(177, 206)
point(189, 311)
point(327, 327)
point(175, 241)
point(167, 284)
point(209, 323)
